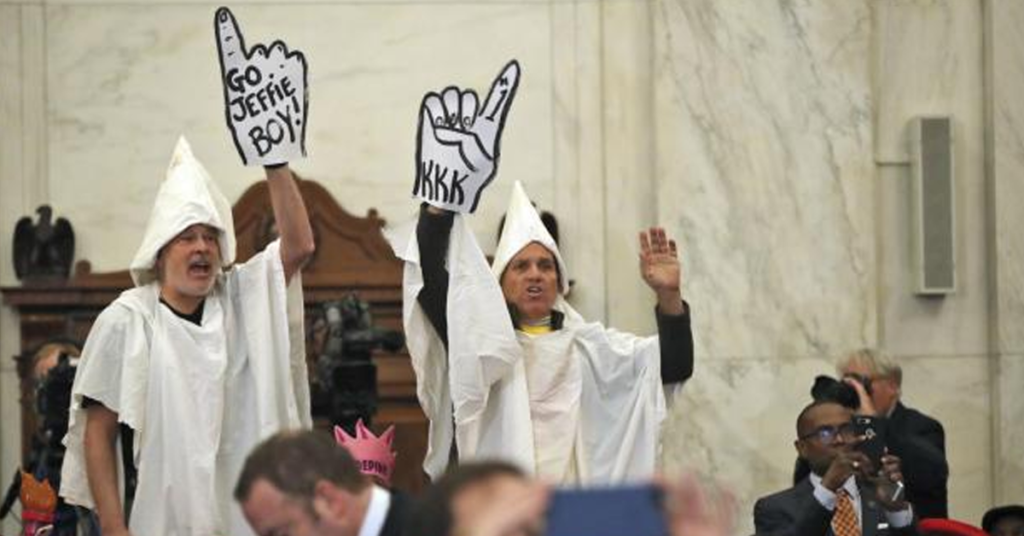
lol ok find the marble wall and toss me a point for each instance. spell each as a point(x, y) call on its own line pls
point(764, 167)
point(768, 137)
point(1004, 109)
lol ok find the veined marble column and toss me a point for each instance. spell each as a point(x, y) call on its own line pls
point(1004, 65)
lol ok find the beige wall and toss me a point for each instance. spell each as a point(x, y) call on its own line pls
point(768, 136)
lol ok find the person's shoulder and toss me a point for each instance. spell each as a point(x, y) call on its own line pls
point(915, 417)
point(126, 309)
point(786, 496)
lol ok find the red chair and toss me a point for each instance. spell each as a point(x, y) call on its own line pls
point(947, 527)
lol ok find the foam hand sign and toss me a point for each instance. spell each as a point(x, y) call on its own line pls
point(459, 140)
point(264, 95)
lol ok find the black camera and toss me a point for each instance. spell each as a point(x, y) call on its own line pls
point(827, 388)
point(345, 383)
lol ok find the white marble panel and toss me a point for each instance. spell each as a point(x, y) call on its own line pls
point(949, 325)
point(124, 81)
point(764, 166)
point(11, 153)
point(578, 169)
point(956, 391)
point(628, 159)
point(1009, 434)
point(1006, 84)
point(10, 209)
point(926, 62)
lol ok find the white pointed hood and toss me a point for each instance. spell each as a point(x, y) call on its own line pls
point(186, 197)
point(522, 226)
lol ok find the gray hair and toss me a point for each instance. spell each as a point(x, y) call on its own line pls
point(875, 361)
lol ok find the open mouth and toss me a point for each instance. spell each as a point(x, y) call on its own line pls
point(534, 291)
point(200, 268)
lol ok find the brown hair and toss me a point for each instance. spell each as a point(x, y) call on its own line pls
point(294, 461)
point(433, 515)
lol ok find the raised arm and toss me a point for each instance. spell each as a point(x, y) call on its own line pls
point(659, 267)
point(292, 220)
point(433, 231)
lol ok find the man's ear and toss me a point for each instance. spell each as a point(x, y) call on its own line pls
point(800, 447)
point(329, 501)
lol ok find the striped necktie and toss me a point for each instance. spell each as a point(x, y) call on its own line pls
point(844, 519)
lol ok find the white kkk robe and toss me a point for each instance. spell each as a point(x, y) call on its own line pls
point(198, 398)
point(583, 404)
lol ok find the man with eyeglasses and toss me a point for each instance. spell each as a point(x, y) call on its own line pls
point(916, 438)
point(845, 495)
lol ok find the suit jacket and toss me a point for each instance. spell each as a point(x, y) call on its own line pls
point(920, 443)
point(398, 514)
point(796, 512)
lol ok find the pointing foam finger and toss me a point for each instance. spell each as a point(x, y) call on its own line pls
point(502, 90)
point(229, 38)
point(491, 119)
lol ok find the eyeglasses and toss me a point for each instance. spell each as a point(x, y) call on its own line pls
point(827, 434)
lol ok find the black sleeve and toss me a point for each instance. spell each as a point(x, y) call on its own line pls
point(676, 341)
point(923, 454)
point(432, 233)
point(921, 449)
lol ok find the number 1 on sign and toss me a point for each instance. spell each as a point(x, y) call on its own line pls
point(501, 99)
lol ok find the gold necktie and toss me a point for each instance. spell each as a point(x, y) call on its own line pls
point(844, 519)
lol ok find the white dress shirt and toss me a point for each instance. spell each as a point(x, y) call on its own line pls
point(376, 513)
point(827, 498)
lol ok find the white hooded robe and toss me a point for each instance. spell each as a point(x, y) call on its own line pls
point(198, 397)
point(583, 404)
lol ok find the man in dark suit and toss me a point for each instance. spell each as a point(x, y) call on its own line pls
point(917, 439)
point(302, 483)
point(844, 495)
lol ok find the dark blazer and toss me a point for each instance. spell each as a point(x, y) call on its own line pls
point(795, 512)
point(920, 443)
point(398, 514)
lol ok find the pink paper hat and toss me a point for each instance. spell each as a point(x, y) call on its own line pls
point(372, 453)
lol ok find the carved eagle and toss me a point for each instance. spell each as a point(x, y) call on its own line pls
point(45, 248)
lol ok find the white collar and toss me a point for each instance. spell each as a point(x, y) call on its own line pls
point(376, 512)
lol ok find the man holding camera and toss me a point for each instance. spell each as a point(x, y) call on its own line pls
point(914, 437)
point(845, 494)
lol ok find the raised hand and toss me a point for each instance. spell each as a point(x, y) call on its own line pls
point(265, 96)
point(867, 406)
point(458, 142)
point(659, 266)
point(845, 464)
point(889, 484)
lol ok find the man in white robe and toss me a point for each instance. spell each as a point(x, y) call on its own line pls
point(507, 369)
point(193, 366)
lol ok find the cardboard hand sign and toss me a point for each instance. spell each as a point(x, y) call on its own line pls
point(264, 95)
point(459, 142)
